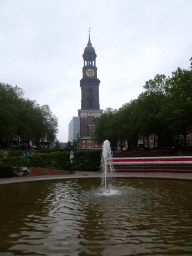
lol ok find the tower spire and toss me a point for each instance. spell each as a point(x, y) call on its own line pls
point(89, 41)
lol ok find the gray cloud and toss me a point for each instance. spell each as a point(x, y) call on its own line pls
point(42, 43)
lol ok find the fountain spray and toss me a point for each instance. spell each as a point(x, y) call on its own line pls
point(106, 162)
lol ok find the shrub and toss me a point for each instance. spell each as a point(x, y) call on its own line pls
point(52, 150)
point(84, 160)
point(15, 161)
point(14, 153)
point(54, 160)
point(87, 160)
point(1, 156)
point(7, 171)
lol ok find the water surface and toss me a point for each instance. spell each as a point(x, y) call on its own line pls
point(72, 217)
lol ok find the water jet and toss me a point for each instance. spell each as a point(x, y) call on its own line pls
point(107, 168)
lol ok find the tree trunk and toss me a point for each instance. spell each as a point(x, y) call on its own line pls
point(185, 139)
point(147, 142)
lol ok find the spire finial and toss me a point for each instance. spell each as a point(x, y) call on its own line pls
point(89, 41)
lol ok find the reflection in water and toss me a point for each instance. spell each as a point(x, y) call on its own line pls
point(146, 217)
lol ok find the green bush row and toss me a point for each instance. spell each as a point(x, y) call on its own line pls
point(54, 160)
point(84, 160)
point(87, 160)
point(16, 153)
point(53, 150)
point(7, 171)
point(15, 161)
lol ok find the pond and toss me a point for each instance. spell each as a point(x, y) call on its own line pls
point(71, 217)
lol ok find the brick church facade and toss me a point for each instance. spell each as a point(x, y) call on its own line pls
point(90, 107)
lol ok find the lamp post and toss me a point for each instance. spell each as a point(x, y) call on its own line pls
point(77, 139)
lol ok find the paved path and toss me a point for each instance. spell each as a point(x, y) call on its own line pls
point(78, 175)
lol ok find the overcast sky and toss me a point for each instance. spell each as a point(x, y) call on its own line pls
point(42, 42)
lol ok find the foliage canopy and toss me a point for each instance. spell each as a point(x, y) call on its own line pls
point(23, 117)
point(163, 109)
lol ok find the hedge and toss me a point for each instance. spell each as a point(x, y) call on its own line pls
point(54, 160)
point(1, 156)
point(86, 160)
point(7, 171)
point(16, 153)
point(16, 161)
point(53, 150)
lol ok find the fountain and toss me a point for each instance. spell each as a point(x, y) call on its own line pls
point(72, 217)
point(107, 169)
point(66, 217)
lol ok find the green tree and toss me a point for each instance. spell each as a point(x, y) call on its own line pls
point(151, 103)
point(71, 146)
point(51, 123)
point(177, 107)
point(25, 118)
point(106, 128)
point(9, 97)
point(57, 144)
point(163, 109)
point(128, 129)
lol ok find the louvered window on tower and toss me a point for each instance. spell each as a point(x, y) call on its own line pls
point(90, 104)
point(90, 95)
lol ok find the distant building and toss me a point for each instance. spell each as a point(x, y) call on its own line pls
point(74, 128)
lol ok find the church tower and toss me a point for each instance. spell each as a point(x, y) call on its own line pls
point(90, 107)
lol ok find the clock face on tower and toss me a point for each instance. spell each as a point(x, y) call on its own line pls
point(90, 72)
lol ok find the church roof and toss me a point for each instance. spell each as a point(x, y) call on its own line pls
point(86, 138)
point(89, 48)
